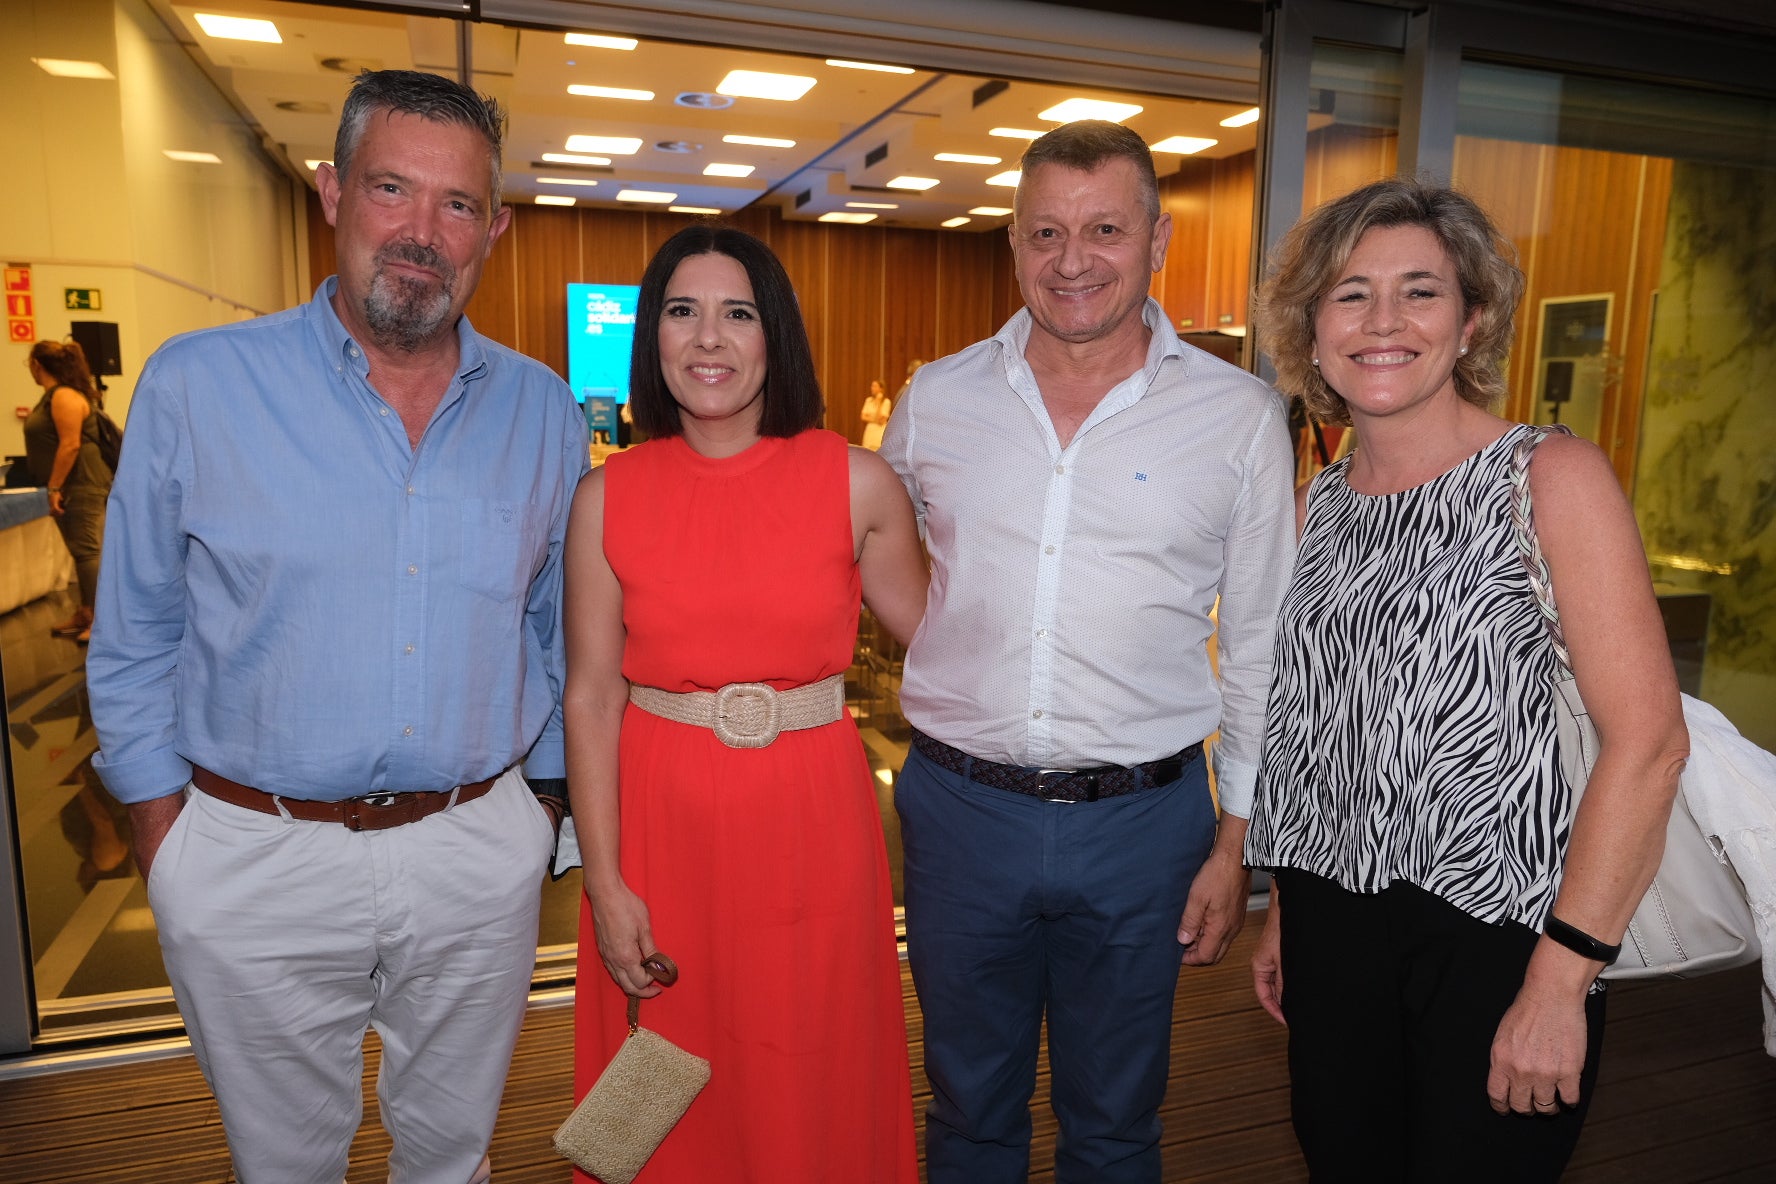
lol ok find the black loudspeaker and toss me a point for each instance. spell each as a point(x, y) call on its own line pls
point(98, 341)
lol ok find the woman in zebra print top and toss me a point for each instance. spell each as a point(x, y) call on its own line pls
point(1410, 800)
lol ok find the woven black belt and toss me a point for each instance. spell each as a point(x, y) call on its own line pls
point(1057, 785)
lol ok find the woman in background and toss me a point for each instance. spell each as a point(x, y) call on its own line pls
point(876, 410)
point(724, 807)
point(1441, 914)
point(62, 452)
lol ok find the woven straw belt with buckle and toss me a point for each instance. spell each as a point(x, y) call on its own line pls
point(748, 714)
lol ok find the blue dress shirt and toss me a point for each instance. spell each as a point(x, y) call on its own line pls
point(294, 597)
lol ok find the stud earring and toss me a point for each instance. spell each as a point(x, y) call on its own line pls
point(1316, 361)
point(1462, 352)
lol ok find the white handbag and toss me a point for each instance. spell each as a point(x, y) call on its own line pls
point(1694, 918)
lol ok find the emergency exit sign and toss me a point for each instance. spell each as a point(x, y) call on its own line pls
point(86, 298)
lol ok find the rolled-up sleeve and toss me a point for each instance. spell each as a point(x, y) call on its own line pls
point(139, 618)
point(1258, 556)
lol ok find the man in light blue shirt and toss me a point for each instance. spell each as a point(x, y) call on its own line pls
point(328, 634)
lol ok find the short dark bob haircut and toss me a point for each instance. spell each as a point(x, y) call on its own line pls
point(792, 401)
point(1311, 259)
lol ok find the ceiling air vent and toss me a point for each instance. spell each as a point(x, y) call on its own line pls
point(803, 198)
point(987, 90)
point(876, 155)
point(349, 65)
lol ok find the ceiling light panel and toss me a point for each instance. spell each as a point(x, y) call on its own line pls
point(1183, 145)
point(191, 157)
point(553, 199)
point(695, 210)
point(1015, 133)
point(1076, 109)
point(238, 28)
point(990, 211)
point(876, 66)
point(1008, 179)
point(952, 223)
point(728, 170)
point(68, 68)
point(601, 41)
point(966, 158)
point(872, 205)
point(760, 84)
point(615, 145)
point(854, 219)
point(1244, 118)
point(585, 181)
point(759, 141)
point(570, 158)
point(919, 183)
point(648, 196)
point(610, 92)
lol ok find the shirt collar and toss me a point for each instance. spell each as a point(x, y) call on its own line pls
point(470, 357)
point(1162, 343)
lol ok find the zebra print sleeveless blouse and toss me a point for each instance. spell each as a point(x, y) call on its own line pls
point(1410, 731)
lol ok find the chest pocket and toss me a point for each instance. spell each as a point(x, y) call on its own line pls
point(501, 548)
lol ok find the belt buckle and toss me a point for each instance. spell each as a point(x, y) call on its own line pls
point(378, 801)
point(1042, 776)
point(746, 696)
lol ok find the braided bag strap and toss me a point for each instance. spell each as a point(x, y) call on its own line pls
point(1529, 548)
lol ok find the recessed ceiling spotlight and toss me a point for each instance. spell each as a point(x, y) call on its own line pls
point(1008, 179)
point(1182, 145)
point(1249, 115)
point(570, 158)
point(600, 41)
point(587, 181)
point(694, 210)
point(876, 66)
point(966, 158)
point(872, 205)
point(238, 28)
point(191, 157)
point(919, 183)
point(759, 141)
point(728, 170)
point(610, 92)
point(952, 223)
point(761, 84)
point(990, 211)
point(68, 68)
point(615, 145)
point(678, 147)
point(1015, 133)
point(552, 199)
point(1077, 109)
point(854, 219)
point(652, 196)
point(702, 100)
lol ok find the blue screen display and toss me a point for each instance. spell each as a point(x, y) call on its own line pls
point(600, 331)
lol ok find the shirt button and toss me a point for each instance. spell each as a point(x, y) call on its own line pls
point(352, 350)
point(384, 412)
point(1037, 714)
point(1048, 550)
point(1041, 633)
point(410, 489)
point(1060, 468)
point(407, 731)
point(412, 569)
point(410, 649)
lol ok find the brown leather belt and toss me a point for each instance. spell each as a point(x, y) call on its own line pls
point(377, 811)
point(1058, 785)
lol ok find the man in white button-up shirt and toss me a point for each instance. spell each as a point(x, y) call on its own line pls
point(1089, 488)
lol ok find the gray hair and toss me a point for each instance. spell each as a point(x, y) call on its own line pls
point(1086, 145)
point(430, 96)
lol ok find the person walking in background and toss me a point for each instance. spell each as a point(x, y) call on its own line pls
point(328, 631)
point(713, 583)
point(1441, 913)
point(62, 452)
point(876, 410)
point(1088, 486)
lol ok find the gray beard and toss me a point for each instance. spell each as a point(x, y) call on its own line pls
point(405, 314)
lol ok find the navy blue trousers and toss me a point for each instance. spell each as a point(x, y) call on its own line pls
point(1017, 907)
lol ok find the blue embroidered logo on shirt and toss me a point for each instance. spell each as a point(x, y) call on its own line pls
point(1140, 476)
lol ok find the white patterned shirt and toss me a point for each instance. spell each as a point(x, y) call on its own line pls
point(1072, 588)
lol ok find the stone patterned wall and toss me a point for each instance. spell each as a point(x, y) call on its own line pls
point(1705, 488)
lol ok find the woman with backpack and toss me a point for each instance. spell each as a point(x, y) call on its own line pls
point(63, 452)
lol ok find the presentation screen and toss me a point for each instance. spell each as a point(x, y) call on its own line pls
point(600, 331)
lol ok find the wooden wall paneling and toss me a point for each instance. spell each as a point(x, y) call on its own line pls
point(613, 248)
point(1622, 426)
point(855, 292)
point(910, 301)
point(1230, 241)
point(1007, 298)
point(550, 260)
point(1503, 176)
point(493, 310)
point(1343, 157)
point(1182, 286)
point(802, 246)
point(964, 289)
point(321, 257)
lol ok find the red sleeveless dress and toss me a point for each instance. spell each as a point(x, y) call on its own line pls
point(764, 870)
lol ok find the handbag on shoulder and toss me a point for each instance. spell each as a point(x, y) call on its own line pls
point(637, 1100)
point(1694, 918)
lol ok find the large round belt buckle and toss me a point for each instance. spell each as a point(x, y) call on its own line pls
point(746, 715)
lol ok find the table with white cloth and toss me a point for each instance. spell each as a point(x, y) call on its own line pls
point(33, 559)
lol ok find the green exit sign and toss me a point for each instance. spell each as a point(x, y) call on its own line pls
point(83, 298)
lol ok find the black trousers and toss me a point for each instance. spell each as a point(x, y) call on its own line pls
point(1393, 999)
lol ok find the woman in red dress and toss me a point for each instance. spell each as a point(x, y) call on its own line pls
point(720, 792)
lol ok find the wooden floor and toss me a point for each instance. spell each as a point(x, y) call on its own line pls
point(1686, 1095)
